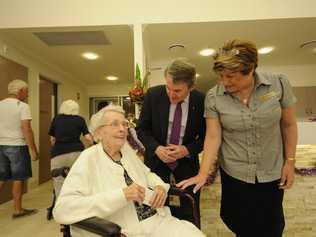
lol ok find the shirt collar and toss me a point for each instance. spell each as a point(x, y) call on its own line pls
point(186, 100)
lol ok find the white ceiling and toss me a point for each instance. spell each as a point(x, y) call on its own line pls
point(117, 57)
point(284, 34)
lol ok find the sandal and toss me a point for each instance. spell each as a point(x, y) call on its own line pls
point(25, 212)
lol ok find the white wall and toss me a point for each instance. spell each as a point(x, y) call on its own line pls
point(298, 75)
point(46, 13)
point(108, 90)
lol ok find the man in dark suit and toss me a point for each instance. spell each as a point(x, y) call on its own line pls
point(172, 128)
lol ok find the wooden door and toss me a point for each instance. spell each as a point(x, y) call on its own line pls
point(9, 71)
point(47, 107)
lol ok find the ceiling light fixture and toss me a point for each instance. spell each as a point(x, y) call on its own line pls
point(197, 75)
point(90, 55)
point(111, 78)
point(265, 50)
point(207, 52)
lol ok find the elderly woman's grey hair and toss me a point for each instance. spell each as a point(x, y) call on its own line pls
point(97, 119)
point(15, 86)
point(69, 107)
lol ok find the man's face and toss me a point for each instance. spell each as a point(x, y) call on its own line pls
point(23, 94)
point(177, 92)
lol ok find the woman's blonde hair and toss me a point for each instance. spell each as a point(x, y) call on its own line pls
point(236, 56)
point(15, 86)
point(96, 120)
point(69, 107)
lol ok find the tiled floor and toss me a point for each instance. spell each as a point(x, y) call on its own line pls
point(31, 226)
point(299, 207)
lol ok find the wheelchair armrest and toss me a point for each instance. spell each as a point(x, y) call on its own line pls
point(188, 195)
point(99, 226)
point(180, 192)
point(63, 171)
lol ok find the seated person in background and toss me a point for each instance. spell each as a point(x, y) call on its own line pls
point(109, 181)
point(65, 131)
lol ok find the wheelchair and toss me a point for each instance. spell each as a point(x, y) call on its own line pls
point(106, 228)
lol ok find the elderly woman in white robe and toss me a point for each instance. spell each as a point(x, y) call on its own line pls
point(109, 181)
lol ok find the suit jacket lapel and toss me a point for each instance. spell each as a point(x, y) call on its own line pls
point(163, 110)
point(190, 120)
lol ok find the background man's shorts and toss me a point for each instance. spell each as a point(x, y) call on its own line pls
point(15, 163)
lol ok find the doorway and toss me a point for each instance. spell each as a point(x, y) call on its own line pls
point(48, 97)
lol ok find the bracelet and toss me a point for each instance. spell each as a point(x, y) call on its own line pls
point(291, 159)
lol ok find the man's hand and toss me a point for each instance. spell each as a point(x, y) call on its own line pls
point(159, 197)
point(177, 151)
point(34, 155)
point(164, 154)
point(287, 178)
point(134, 192)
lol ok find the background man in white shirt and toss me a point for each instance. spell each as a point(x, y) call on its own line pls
point(16, 140)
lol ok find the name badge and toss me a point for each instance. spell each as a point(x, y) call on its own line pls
point(267, 96)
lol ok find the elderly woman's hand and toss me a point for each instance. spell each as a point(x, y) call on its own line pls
point(134, 192)
point(159, 198)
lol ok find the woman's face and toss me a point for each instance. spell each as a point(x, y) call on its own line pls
point(235, 82)
point(113, 131)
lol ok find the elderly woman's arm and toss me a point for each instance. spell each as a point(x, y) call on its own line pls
point(289, 134)
point(77, 201)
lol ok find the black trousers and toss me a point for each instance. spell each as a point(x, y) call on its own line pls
point(252, 210)
point(183, 171)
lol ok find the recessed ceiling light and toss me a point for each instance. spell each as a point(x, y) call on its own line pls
point(197, 75)
point(207, 52)
point(90, 55)
point(265, 50)
point(111, 78)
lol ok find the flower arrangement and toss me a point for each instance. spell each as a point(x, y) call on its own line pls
point(140, 87)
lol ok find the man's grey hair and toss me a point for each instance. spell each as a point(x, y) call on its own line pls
point(15, 86)
point(181, 70)
point(97, 119)
point(69, 107)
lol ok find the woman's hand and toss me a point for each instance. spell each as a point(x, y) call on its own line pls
point(159, 197)
point(199, 180)
point(287, 178)
point(134, 192)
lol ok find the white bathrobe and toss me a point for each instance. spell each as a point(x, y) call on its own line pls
point(94, 188)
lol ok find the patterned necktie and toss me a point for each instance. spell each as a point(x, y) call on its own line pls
point(175, 132)
point(143, 211)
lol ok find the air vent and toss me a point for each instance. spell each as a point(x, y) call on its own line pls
point(307, 44)
point(73, 38)
point(176, 48)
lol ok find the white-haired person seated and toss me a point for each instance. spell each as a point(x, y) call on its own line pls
point(109, 181)
point(65, 132)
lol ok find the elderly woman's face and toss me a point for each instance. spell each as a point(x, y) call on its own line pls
point(114, 129)
point(235, 81)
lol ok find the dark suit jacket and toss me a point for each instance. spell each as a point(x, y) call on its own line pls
point(152, 128)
